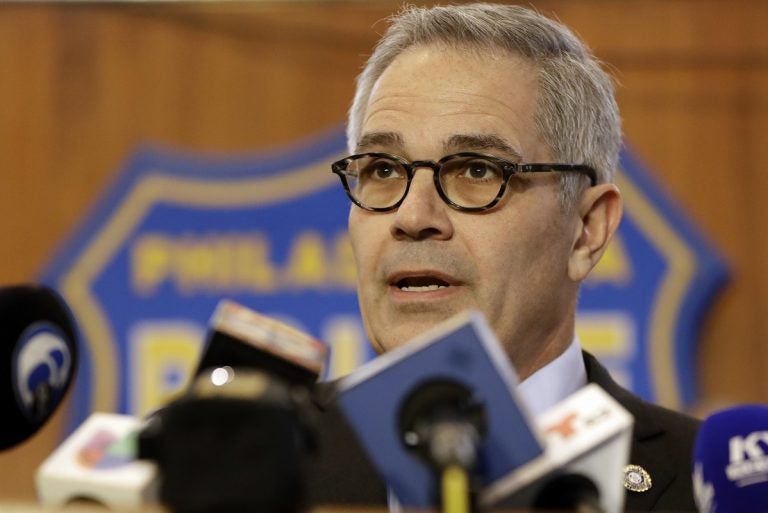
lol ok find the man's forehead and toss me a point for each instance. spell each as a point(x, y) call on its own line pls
point(454, 142)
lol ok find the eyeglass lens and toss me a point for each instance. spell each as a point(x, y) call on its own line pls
point(468, 181)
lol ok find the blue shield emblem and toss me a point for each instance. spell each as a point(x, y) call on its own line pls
point(177, 232)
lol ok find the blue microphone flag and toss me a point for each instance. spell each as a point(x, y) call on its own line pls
point(462, 350)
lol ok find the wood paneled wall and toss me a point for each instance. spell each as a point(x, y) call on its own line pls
point(82, 85)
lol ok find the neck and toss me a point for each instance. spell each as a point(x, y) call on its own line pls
point(544, 348)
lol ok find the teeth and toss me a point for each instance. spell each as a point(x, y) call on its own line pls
point(422, 288)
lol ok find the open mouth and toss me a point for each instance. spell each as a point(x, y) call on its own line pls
point(421, 284)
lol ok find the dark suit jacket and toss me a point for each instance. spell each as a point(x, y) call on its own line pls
point(662, 444)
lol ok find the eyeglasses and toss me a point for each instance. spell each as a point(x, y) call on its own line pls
point(467, 181)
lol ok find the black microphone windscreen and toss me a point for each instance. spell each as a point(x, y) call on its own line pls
point(231, 455)
point(730, 461)
point(568, 492)
point(38, 358)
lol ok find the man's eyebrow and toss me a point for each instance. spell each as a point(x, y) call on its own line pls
point(482, 142)
point(385, 139)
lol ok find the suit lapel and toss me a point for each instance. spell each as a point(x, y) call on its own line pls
point(647, 438)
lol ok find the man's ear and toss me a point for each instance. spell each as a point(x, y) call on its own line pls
point(600, 211)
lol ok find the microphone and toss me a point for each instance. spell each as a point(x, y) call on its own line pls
point(586, 445)
point(38, 358)
point(443, 423)
point(244, 338)
point(447, 397)
point(571, 457)
point(730, 461)
point(223, 448)
point(97, 463)
point(238, 440)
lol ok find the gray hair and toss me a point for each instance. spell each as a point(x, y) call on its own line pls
point(577, 116)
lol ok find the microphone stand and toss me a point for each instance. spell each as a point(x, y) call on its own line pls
point(453, 448)
point(443, 424)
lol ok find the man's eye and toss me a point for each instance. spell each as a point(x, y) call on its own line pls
point(481, 170)
point(382, 170)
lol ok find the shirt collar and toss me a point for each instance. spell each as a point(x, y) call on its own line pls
point(555, 381)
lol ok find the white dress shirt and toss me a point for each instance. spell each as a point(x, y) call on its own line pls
point(555, 381)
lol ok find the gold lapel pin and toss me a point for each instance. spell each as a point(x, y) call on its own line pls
point(636, 479)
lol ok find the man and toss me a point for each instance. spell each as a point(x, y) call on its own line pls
point(484, 141)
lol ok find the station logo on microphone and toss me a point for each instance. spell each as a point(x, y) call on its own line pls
point(178, 231)
point(748, 459)
point(41, 368)
point(105, 449)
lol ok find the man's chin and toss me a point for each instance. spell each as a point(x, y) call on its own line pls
point(403, 331)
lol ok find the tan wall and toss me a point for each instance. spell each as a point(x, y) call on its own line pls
point(82, 85)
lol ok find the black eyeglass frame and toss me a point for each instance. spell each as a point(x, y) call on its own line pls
point(508, 168)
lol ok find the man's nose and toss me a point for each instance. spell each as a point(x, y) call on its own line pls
point(422, 214)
